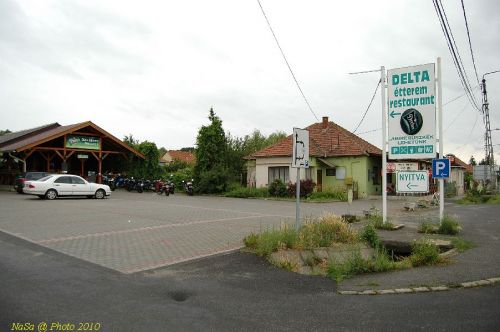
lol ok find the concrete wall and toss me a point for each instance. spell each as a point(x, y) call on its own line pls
point(458, 176)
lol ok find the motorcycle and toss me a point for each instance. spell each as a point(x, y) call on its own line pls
point(164, 188)
point(110, 181)
point(188, 187)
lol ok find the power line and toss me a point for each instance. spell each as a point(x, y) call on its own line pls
point(369, 131)
point(369, 105)
point(452, 47)
point(470, 44)
point(286, 61)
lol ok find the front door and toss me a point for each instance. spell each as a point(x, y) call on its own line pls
point(63, 185)
point(319, 180)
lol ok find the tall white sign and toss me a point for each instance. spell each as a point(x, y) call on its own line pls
point(300, 154)
point(412, 112)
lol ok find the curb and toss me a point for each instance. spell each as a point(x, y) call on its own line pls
point(413, 290)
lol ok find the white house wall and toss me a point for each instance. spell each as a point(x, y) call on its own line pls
point(262, 169)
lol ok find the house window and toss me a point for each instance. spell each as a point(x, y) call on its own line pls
point(341, 173)
point(281, 173)
point(330, 172)
point(308, 174)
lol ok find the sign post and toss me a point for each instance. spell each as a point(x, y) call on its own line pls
point(300, 159)
point(384, 146)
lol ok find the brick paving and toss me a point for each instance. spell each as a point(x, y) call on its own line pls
point(132, 232)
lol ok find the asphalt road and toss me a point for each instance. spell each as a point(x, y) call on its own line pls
point(232, 292)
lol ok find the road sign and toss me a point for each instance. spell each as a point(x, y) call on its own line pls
point(412, 182)
point(441, 168)
point(300, 154)
point(412, 112)
point(396, 167)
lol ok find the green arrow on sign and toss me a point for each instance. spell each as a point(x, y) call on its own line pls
point(409, 185)
point(393, 114)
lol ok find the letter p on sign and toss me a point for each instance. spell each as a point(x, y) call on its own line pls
point(441, 168)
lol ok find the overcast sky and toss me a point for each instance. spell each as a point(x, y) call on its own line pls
point(154, 68)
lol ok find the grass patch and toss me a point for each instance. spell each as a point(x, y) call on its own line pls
point(356, 264)
point(476, 198)
point(324, 232)
point(424, 253)
point(287, 265)
point(448, 226)
point(315, 233)
point(428, 227)
point(328, 195)
point(378, 222)
point(370, 236)
point(462, 245)
point(247, 192)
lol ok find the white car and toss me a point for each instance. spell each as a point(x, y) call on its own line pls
point(52, 186)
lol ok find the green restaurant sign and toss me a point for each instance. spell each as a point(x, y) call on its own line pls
point(82, 142)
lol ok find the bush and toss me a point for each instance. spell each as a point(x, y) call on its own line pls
point(427, 227)
point(243, 192)
point(213, 181)
point(277, 188)
point(329, 194)
point(424, 253)
point(378, 222)
point(324, 232)
point(271, 240)
point(449, 226)
point(355, 264)
point(306, 188)
point(370, 236)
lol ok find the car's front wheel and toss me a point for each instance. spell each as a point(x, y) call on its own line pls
point(99, 194)
point(51, 194)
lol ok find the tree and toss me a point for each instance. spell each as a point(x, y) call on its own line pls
point(3, 132)
point(472, 161)
point(131, 141)
point(210, 171)
point(148, 168)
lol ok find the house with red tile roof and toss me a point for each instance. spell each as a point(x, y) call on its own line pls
point(337, 158)
point(183, 156)
point(457, 176)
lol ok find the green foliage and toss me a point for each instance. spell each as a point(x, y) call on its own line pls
point(251, 241)
point(378, 222)
point(182, 174)
point(287, 265)
point(212, 181)
point(176, 165)
point(6, 131)
point(277, 189)
point(272, 240)
point(449, 226)
point(240, 147)
point(329, 194)
point(424, 252)
point(462, 245)
point(210, 171)
point(427, 227)
point(131, 141)
point(324, 232)
point(370, 236)
point(355, 264)
point(244, 192)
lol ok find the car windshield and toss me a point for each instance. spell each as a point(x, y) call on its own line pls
point(45, 178)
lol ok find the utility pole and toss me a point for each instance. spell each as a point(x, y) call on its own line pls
point(488, 145)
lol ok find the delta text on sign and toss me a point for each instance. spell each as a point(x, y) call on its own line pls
point(412, 112)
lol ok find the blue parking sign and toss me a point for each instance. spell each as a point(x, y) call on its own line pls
point(441, 168)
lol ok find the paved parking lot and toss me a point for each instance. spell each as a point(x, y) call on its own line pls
point(132, 232)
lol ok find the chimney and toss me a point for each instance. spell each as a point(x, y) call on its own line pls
point(325, 122)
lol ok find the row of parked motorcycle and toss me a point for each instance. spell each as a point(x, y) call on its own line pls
point(140, 185)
